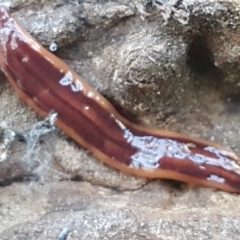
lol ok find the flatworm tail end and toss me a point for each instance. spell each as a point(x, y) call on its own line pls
point(48, 84)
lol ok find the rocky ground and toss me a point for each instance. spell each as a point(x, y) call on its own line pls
point(168, 64)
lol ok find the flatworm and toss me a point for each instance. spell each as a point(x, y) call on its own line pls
point(46, 83)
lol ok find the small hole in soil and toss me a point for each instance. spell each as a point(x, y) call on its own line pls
point(200, 59)
point(232, 103)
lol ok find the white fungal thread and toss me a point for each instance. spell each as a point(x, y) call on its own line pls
point(8, 137)
point(25, 59)
point(67, 80)
point(216, 178)
point(63, 234)
point(77, 86)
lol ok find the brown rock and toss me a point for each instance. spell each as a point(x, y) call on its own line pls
point(170, 64)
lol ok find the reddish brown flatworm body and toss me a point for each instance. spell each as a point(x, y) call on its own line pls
point(47, 84)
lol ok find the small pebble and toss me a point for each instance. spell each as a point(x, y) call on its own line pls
point(53, 47)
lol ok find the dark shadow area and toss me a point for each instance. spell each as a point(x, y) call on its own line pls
point(200, 60)
point(129, 115)
point(28, 177)
point(207, 77)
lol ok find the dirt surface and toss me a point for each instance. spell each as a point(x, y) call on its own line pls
point(168, 64)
